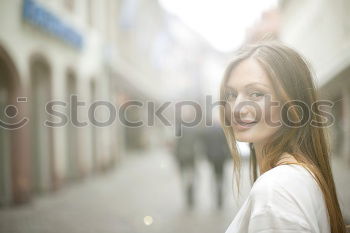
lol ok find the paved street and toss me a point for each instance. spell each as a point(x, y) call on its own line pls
point(142, 185)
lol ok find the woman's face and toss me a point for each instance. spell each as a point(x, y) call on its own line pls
point(250, 93)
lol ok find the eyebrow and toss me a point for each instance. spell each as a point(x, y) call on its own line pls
point(252, 84)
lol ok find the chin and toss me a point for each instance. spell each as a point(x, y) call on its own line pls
point(244, 138)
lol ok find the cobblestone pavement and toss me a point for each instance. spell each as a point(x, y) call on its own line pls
point(141, 185)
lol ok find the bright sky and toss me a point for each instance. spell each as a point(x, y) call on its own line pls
point(222, 22)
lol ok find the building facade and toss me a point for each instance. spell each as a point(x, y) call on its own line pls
point(53, 50)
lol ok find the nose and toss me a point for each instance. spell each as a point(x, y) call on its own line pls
point(240, 108)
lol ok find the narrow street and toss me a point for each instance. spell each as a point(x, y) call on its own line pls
point(142, 185)
point(94, 94)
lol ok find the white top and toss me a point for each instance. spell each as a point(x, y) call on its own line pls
point(284, 199)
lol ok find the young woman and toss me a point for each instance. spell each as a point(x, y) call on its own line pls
point(271, 102)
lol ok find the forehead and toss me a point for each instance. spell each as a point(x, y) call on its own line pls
point(247, 72)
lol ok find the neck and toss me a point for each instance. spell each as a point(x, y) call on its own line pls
point(285, 157)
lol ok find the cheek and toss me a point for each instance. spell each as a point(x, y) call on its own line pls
point(270, 113)
point(267, 125)
point(276, 115)
point(270, 120)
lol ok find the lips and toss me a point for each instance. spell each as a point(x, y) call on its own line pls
point(250, 122)
point(245, 122)
point(243, 125)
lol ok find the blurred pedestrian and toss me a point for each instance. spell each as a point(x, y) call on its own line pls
point(217, 152)
point(186, 148)
point(185, 153)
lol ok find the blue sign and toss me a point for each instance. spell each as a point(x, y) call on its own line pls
point(39, 16)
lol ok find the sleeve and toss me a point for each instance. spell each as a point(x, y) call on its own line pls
point(273, 220)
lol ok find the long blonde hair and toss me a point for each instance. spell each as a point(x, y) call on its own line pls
point(292, 79)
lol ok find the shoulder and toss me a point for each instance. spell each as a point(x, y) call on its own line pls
point(284, 199)
point(280, 199)
point(284, 177)
point(285, 187)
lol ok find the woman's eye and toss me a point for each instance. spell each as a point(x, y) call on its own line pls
point(256, 94)
point(230, 96)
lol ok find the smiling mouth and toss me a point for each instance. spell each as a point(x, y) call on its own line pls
point(244, 125)
point(248, 123)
